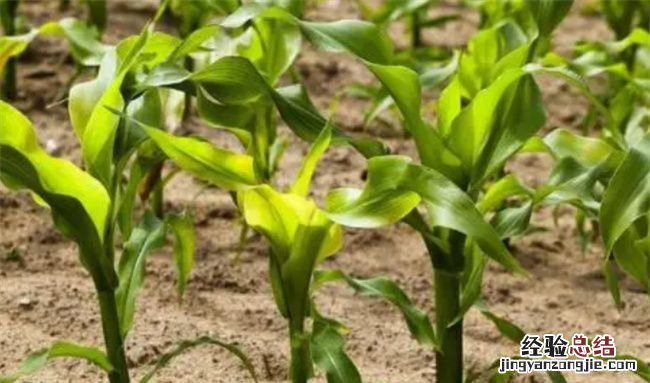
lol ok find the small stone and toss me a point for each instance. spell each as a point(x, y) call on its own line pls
point(26, 303)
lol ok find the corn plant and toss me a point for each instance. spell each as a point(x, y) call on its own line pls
point(301, 236)
point(92, 207)
point(489, 111)
point(85, 48)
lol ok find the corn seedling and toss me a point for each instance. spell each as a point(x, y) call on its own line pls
point(300, 236)
point(91, 207)
point(481, 124)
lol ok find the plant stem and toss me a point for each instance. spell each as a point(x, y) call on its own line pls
point(8, 19)
point(416, 30)
point(157, 199)
point(9, 90)
point(300, 369)
point(188, 63)
point(449, 360)
point(113, 337)
point(447, 295)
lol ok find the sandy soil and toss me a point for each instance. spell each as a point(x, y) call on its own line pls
point(46, 295)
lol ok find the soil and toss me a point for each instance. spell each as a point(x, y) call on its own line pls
point(46, 295)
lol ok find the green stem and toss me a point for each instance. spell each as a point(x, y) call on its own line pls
point(157, 199)
point(416, 30)
point(449, 359)
point(113, 337)
point(9, 90)
point(8, 19)
point(188, 63)
point(300, 369)
point(447, 295)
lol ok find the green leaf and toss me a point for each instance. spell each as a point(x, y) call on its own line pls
point(327, 351)
point(84, 43)
point(146, 237)
point(417, 320)
point(12, 46)
point(404, 87)
point(363, 39)
point(97, 14)
point(394, 178)
point(587, 151)
point(187, 345)
point(548, 13)
point(300, 235)
point(627, 197)
point(193, 42)
point(505, 327)
point(79, 203)
point(182, 226)
point(95, 125)
point(37, 360)
point(220, 167)
point(498, 192)
point(513, 221)
point(611, 278)
point(303, 179)
point(495, 125)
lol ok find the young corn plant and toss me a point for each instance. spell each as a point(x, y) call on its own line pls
point(85, 47)
point(486, 115)
point(301, 236)
point(93, 207)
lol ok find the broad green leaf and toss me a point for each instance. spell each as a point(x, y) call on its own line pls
point(95, 125)
point(364, 40)
point(12, 46)
point(37, 360)
point(223, 168)
point(300, 235)
point(84, 43)
point(520, 114)
point(146, 237)
point(327, 351)
point(182, 226)
point(627, 197)
point(193, 42)
point(395, 177)
point(279, 216)
point(513, 221)
point(273, 47)
point(187, 345)
point(227, 87)
point(505, 327)
point(586, 150)
point(631, 258)
point(147, 109)
point(79, 203)
point(306, 122)
point(404, 86)
point(472, 128)
point(548, 13)
point(417, 320)
point(611, 278)
point(498, 192)
point(303, 179)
